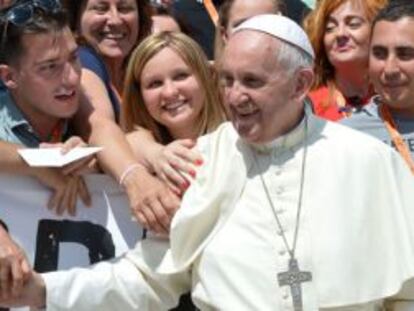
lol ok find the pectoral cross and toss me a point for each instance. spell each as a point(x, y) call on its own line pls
point(293, 278)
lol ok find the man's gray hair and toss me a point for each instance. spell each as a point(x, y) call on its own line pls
point(292, 58)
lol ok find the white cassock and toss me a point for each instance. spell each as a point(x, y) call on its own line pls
point(356, 233)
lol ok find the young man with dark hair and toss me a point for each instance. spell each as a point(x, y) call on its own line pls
point(40, 69)
point(390, 116)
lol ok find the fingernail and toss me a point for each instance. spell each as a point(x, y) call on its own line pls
point(193, 173)
point(177, 192)
point(198, 162)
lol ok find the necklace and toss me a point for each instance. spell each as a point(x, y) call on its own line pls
point(293, 277)
point(398, 141)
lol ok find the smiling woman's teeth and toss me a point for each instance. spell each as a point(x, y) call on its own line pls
point(173, 106)
point(114, 36)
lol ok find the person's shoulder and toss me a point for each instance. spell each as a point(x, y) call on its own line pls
point(224, 133)
point(91, 60)
point(318, 95)
point(355, 150)
point(4, 110)
point(321, 91)
point(220, 145)
point(354, 141)
point(88, 53)
point(364, 117)
point(10, 117)
point(8, 109)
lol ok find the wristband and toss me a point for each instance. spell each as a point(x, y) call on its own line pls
point(128, 171)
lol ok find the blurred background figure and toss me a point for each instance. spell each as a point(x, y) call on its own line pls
point(163, 19)
point(193, 14)
point(233, 12)
point(298, 9)
point(339, 31)
point(5, 3)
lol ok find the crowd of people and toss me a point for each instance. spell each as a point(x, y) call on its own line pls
point(247, 158)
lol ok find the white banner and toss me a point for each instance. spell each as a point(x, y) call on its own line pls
point(100, 232)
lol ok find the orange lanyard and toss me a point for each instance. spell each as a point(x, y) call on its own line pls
point(211, 9)
point(396, 137)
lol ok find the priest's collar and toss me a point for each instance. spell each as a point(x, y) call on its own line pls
point(291, 139)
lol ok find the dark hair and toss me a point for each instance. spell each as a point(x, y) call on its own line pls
point(224, 11)
point(396, 10)
point(75, 8)
point(39, 21)
point(162, 10)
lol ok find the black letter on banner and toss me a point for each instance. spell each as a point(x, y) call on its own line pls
point(52, 232)
point(3, 224)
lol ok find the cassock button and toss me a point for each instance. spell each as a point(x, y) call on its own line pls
point(278, 172)
point(282, 252)
point(280, 190)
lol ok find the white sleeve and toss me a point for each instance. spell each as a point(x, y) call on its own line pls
point(118, 285)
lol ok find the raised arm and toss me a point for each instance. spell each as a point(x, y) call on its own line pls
point(173, 163)
point(151, 202)
point(65, 187)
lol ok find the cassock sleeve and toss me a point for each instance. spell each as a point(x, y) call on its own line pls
point(127, 283)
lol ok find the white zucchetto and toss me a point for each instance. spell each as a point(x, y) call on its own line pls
point(280, 27)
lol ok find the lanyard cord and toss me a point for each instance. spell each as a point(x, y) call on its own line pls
point(211, 9)
point(396, 137)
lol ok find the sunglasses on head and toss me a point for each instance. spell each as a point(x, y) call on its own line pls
point(21, 13)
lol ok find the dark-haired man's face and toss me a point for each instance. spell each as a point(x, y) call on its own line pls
point(391, 64)
point(45, 81)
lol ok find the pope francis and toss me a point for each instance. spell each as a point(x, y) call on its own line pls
point(289, 212)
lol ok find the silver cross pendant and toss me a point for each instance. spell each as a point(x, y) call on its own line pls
point(293, 278)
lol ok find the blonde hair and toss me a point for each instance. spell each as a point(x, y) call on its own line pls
point(314, 24)
point(134, 112)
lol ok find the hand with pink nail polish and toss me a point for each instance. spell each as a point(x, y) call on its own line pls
point(177, 163)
